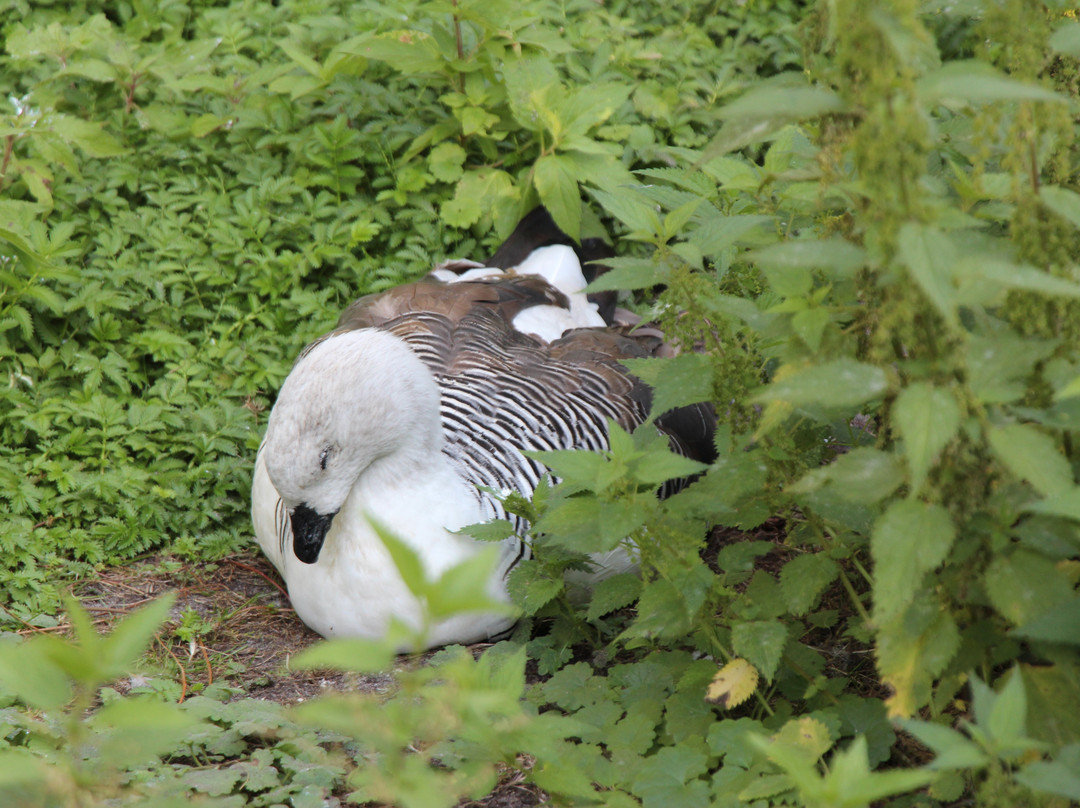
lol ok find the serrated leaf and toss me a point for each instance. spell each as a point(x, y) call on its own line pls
point(760, 641)
point(840, 383)
point(532, 587)
point(591, 525)
point(909, 540)
point(407, 51)
point(912, 650)
point(557, 186)
point(613, 593)
point(1060, 623)
point(733, 684)
point(1032, 456)
point(676, 381)
point(976, 82)
point(494, 530)
point(863, 475)
point(804, 578)
point(927, 418)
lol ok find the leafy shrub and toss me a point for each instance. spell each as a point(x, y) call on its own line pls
point(863, 215)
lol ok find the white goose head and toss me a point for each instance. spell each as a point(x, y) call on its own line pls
point(354, 400)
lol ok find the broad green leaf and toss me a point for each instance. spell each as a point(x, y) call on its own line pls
point(676, 381)
point(581, 468)
point(717, 232)
point(1033, 456)
point(632, 210)
point(133, 635)
point(999, 365)
point(590, 525)
point(841, 383)
point(464, 587)
point(927, 418)
point(1008, 715)
point(851, 784)
point(405, 51)
point(406, 560)
point(952, 749)
point(135, 728)
point(629, 274)
point(495, 530)
point(863, 475)
point(1062, 201)
point(804, 578)
point(929, 255)
point(810, 325)
point(760, 641)
point(1053, 713)
point(613, 593)
point(557, 186)
point(1066, 504)
point(913, 650)
point(591, 105)
point(1066, 39)
point(835, 256)
point(909, 540)
point(765, 109)
point(1025, 585)
point(29, 674)
point(977, 83)
point(346, 654)
point(1054, 777)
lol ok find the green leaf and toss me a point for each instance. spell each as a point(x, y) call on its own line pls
point(717, 232)
point(1054, 777)
point(590, 525)
point(959, 82)
point(835, 256)
point(1025, 585)
point(1032, 456)
point(676, 381)
point(909, 540)
point(557, 186)
point(927, 418)
point(804, 578)
point(929, 255)
point(629, 273)
point(29, 673)
point(766, 108)
point(761, 642)
point(1007, 722)
point(137, 728)
point(133, 635)
point(613, 593)
point(579, 467)
point(464, 587)
point(406, 51)
point(1066, 39)
point(952, 749)
point(840, 383)
point(347, 654)
point(494, 530)
point(406, 560)
point(863, 475)
point(532, 587)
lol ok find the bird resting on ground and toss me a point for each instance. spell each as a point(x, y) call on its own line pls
point(422, 397)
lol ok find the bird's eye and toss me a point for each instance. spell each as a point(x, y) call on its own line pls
point(322, 458)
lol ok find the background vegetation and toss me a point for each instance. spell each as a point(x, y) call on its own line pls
point(865, 217)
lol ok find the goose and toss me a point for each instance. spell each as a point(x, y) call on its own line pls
point(419, 404)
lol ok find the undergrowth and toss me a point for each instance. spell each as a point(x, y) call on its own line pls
point(863, 216)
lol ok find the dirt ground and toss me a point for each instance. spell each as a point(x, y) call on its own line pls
point(244, 634)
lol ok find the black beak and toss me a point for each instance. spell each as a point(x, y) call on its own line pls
point(309, 530)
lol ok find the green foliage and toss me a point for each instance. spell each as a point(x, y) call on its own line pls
point(859, 223)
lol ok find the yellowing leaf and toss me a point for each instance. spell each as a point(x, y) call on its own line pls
point(806, 734)
point(732, 684)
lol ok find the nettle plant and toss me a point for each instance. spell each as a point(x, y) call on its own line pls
point(869, 262)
